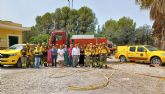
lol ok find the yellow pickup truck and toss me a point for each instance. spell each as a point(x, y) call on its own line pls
point(12, 55)
point(141, 53)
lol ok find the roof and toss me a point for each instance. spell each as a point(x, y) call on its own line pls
point(12, 26)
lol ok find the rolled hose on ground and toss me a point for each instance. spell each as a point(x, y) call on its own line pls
point(91, 87)
point(159, 77)
point(143, 74)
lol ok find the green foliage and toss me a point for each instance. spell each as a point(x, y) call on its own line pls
point(72, 20)
point(99, 35)
point(44, 23)
point(87, 20)
point(40, 38)
point(27, 35)
point(143, 35)
point(121, 32)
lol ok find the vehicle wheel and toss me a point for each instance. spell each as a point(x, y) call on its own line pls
point(156, 61)
point(19, 64)
point(1, 65)
point(123, 59)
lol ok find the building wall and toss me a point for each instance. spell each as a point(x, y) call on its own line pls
point(4, 33)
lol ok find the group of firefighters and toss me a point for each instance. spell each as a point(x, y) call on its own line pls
point(90, 55)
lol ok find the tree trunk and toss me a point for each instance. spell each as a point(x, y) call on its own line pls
point(163, 39)
point(159, 32)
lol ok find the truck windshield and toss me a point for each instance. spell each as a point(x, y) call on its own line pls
point(59, 37)
point(16, 47)
point(151, 48)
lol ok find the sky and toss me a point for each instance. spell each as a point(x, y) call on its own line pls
point(25, 11)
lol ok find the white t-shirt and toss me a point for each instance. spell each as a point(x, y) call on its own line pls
point(75, 51)
point(60, 55)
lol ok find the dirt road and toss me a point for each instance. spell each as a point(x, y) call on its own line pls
point(127, 78)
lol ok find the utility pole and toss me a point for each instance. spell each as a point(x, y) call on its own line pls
point(72, 4)
point(69, 3)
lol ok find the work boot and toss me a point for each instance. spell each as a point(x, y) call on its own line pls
point(106, 66)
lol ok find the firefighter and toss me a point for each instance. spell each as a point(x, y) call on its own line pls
point(87, 56)
point(92, 51)
point(28, 53)
point(97, 55)
point(37, 56)
point(93, 56)
point(103, 58)
point(32, 54)
point(42, 54)
point(24, 57)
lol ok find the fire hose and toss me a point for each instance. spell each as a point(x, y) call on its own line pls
point(92, 86)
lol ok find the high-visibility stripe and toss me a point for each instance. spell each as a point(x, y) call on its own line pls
point(137, 58)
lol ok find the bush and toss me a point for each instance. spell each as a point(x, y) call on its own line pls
point(40, 38)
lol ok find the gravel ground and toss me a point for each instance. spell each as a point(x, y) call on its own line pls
point(127, 78)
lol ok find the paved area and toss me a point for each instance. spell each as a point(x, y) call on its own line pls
point(119, 78)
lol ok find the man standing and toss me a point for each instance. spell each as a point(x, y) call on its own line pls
point(104, 52)
point(70, 55)
point(75, 55)
point(37, 56)
point(28, 53)
point(24, 57)
point(54, 55)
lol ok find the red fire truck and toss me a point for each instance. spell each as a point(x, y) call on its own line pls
point(61, 37)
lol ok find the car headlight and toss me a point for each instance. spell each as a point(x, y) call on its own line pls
point(163, 54)
point(13, 54)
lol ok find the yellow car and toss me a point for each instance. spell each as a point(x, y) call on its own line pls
point(11, 56)
point(143, 53)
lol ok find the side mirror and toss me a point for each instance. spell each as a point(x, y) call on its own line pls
point(145, 51)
